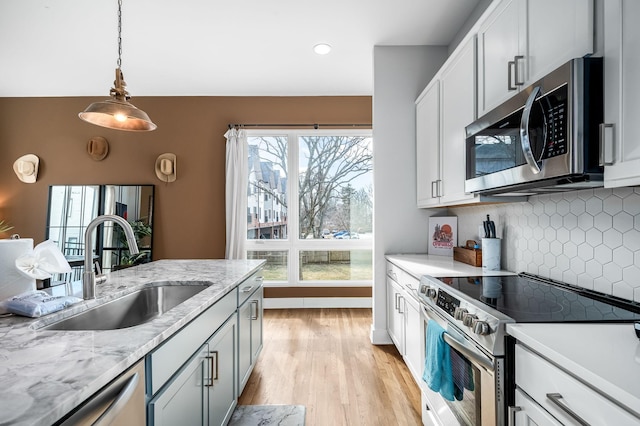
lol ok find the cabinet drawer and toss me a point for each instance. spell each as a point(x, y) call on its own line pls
point(169, 357)
point(394, 272)
point(249, 286)
point(558, 392)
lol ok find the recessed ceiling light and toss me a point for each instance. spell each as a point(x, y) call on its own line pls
point(322, 48)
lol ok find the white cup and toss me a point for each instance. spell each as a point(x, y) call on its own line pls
point(491, 254)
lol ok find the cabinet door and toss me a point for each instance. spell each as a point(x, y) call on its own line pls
point(500, 40)
point(428, 146)
point(622, 103)
point(557, 32)
point(256, 325)
point(528, 412)
point(458, 111)
point(222, 358)
point(183, 400)
point(414, 341)
point(395, 321)
point(244, 345)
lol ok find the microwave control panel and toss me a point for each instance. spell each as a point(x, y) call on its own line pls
point(554, 123)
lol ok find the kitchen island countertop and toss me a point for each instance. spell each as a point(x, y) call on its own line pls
point(45, 374)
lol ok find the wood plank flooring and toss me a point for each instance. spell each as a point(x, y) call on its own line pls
point(323, 359)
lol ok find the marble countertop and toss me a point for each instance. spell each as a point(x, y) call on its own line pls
point(438, 266)
point(45, 374)
point(604, 356)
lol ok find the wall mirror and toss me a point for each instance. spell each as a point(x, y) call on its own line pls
point(72, 207)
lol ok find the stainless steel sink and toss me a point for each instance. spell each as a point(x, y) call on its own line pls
point(130, 310)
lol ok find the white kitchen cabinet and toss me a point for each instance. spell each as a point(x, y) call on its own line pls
point(414, 344)
point(457, 85)
point(523, 40)
point(395, 314)
point(443, 110)
point(527, 412)
point(428, 146)
point(622, 103)
point(562, 395)
point(250, 335)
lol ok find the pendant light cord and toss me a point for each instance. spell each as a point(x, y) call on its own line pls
point(119, 33)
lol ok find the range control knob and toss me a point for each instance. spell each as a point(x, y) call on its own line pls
point(482, 328)
point(459, 313)
point(469, 319)
point(432, 293)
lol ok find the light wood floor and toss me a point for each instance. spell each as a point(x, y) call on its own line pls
point(323, 359)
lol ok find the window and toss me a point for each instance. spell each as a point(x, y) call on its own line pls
point(315, 189)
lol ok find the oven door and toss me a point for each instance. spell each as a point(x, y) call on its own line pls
point(480, 403)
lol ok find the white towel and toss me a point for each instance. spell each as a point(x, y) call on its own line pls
point(46, 259)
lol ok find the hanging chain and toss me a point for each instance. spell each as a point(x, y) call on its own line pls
point(119, 33)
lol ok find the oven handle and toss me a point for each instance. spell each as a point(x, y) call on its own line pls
point(474, 356)
point(524, 131)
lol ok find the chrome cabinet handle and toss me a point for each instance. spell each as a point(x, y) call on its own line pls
point(259, 279)
point(213, 366)
point(247, 289)
point(556, 399)
point(524, 131)
point(606, 144)
point(397, 295)
point(254, 314)
point(512, 415)
point(434, 193)
point(400, 305)
point(120, 401)
point(510, 70)
point(517, 82)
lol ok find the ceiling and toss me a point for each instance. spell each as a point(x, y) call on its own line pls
point(211, 47)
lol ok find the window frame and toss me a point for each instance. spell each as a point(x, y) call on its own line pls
point(293, 245)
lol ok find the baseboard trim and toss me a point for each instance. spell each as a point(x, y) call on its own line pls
point(380, 337)
point(316, 302)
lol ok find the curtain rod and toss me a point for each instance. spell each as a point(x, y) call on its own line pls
point(314, 125)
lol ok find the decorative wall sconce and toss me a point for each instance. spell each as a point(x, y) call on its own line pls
point(98, 148)
point(166, 167)
point(26, 168)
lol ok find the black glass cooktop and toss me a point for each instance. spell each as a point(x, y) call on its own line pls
point(528, 298)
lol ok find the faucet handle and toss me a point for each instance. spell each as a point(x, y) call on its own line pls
point(100, 277)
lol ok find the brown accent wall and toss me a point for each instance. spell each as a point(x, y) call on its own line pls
point(274, 292)
point(189, 213)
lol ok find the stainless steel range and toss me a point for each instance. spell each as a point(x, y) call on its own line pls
point(474, 312)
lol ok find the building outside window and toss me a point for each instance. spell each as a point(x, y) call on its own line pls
point(315, 189)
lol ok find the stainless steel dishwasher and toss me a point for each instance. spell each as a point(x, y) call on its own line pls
point(121, 402)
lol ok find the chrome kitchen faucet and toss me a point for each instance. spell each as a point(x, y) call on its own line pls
point(89, 277)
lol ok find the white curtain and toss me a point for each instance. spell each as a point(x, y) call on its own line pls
point(236, 193)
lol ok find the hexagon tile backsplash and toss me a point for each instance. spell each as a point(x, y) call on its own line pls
point(588, 238)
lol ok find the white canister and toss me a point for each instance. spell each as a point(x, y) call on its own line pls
point(491, 254)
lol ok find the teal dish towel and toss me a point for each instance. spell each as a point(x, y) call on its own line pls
point(437, 364)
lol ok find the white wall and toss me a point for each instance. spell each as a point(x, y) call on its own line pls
point(399, 76)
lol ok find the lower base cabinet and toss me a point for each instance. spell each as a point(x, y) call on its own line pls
point(249, 336)
point(203, 392)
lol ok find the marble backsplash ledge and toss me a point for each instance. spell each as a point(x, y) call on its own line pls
point(589, 238)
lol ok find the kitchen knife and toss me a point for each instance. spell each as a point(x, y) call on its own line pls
point(491, 227)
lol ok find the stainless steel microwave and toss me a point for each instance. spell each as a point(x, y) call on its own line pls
point(544, 139)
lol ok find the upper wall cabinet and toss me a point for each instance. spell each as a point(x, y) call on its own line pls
point(523, 40)
point(443, 110)
point(622, 103)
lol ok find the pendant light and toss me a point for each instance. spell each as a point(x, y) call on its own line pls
point(117, 113)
